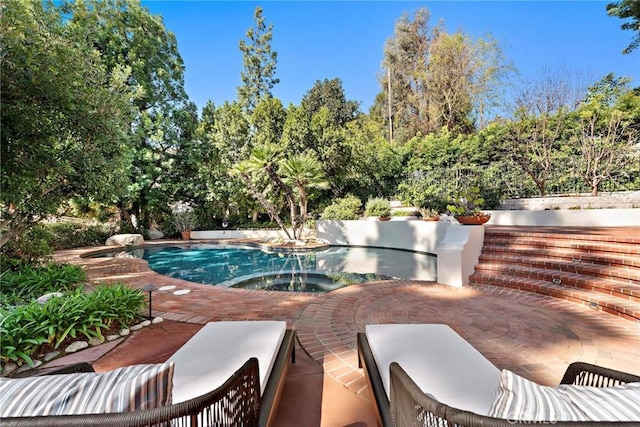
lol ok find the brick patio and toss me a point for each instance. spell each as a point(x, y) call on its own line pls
point(536, 336)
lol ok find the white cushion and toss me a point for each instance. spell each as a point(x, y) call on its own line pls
point(219, 349)
point(131, 388)
point(439, 361)
point(519, 399)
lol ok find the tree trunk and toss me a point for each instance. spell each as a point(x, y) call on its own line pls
point(263, 200)
point(290, 199)
point(594, 187)
point(5, 237)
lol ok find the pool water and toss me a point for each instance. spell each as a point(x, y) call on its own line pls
point(312, 271)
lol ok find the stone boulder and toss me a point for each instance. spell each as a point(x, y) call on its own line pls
point(125, 240)
point(155, 234)
point(46, 297)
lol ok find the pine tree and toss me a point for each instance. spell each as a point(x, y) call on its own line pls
point(259, 64)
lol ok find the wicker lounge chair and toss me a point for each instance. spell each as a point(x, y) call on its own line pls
point(408, 405)
point(240, 401)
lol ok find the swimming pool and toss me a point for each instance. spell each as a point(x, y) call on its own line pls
point(311, 271)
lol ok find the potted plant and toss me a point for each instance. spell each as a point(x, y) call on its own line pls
point(466, 208)
point(379, 208)
point(185, 222)
point(429, 214)
point(404, 215)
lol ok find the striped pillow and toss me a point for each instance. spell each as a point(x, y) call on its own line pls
point(520, 400)
point(127, 389)
point(618, 403)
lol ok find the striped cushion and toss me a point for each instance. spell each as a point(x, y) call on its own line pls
point(125, 389)
point(619, 403)
point(519, 399)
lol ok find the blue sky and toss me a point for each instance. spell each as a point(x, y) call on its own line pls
point(318, 40)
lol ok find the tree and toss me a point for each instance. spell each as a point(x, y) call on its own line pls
point(244, 170)
point(318, 126)
point(223, 134)
point(64, 117)
point(330, 94)
point(406, 56)
point(608, 136)
point(434, 79)
point(259, 64)
point(303, 172)
point(291, 179)
point(127, 35)
point(375, 164)
point(533, 140)
point(267, 121)
point(626, 9)
point(464, 80)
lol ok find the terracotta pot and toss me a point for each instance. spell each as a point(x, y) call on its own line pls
point(186, 235)
point(384, 218)
point(431, 218)
point(473, 219)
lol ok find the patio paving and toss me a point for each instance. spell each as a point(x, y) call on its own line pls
point(533, 335)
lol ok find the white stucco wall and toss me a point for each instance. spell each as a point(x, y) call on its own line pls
point(458, 254)
point(457, 247)
point(238, 234)
point(419, 236)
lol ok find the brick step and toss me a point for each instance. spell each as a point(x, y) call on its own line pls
point(619, 288)
point(577, 246)
point(623, 308)
point(601, 258)
point(619, 272)
point(626, 235)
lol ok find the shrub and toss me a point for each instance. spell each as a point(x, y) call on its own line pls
point(27, 327)
point(406, 213)
point(67, 235)
point(23, 286)
point(467, 203)
point(184, 221)
point(31, 247)
point(37, 244)
point(377, 206)
point(345, 208)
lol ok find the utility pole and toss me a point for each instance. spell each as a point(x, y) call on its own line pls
point(389, 98)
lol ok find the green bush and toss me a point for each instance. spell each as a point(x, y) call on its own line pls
point(36, 245)
point(377, 206)
point(467, 202)
point(406, 213)
point(31, 247)
point(68, 235)
point(75, 314)
point(345, 208)
point(23, 286)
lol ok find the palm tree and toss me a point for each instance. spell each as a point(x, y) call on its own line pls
point(296, 174)
point(304, 172)
point(244, 170)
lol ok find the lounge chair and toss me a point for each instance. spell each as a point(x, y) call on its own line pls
point(427, 375)
point(228, 374)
